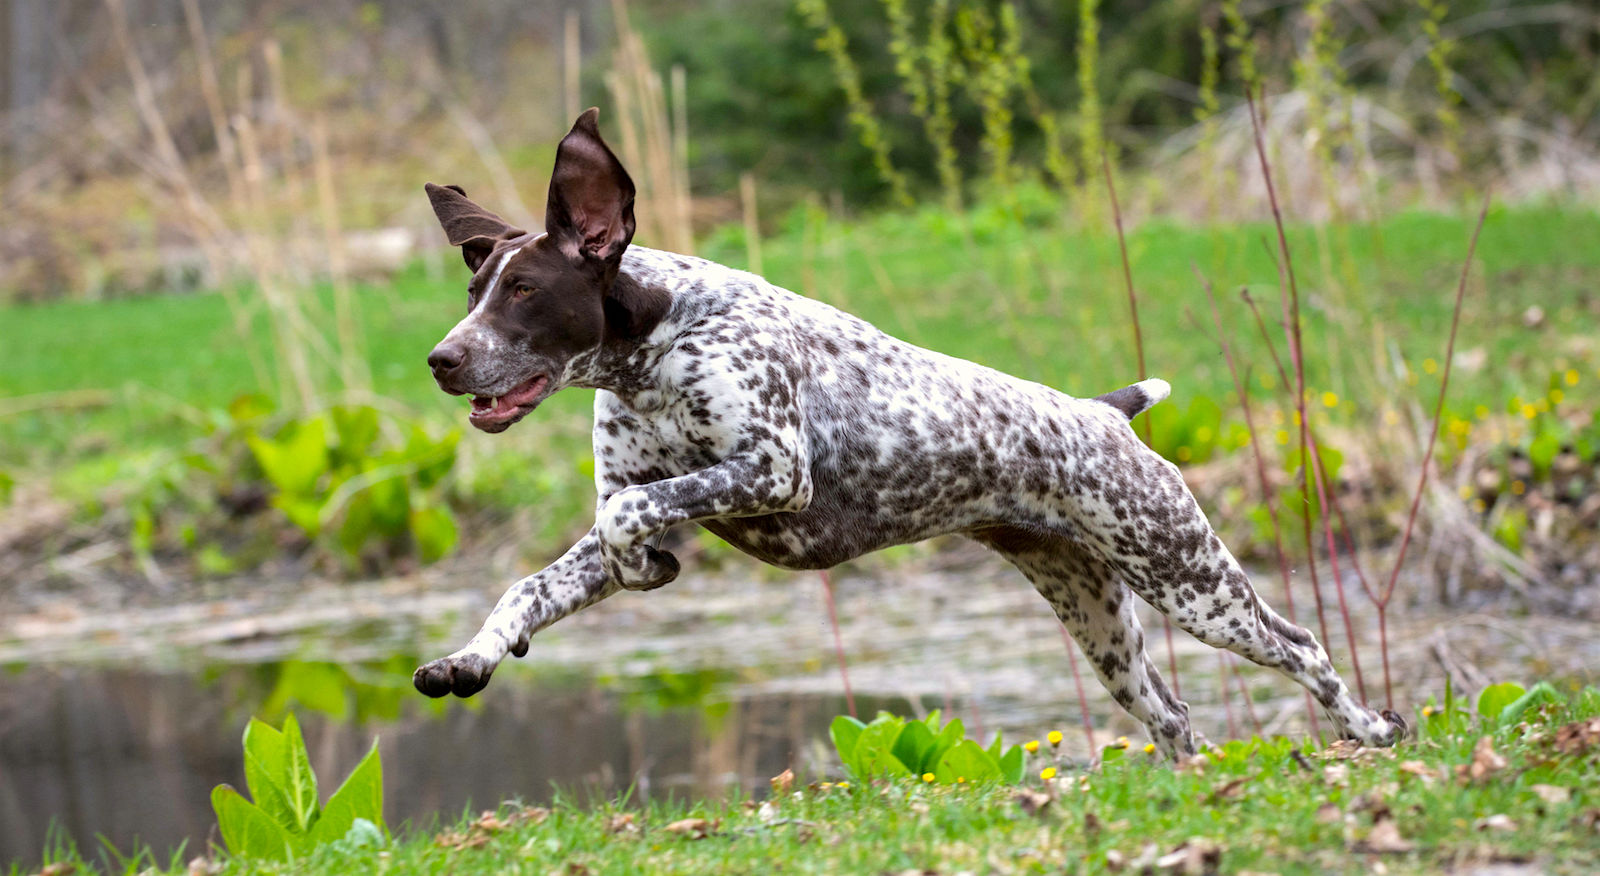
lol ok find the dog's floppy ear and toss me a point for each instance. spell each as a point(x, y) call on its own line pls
point(590, 211)
point(468, 225)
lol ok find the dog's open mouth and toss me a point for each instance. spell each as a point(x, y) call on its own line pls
point(497, 413)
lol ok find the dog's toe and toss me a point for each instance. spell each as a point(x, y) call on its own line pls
point(460, 675)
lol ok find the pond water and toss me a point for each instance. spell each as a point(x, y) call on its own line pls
point(132, 756)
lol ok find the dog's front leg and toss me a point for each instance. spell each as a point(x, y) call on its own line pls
point(574, 582)
point(745, 485)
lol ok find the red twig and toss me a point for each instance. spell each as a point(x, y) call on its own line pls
point(1138, 347)
point(1223, 672)
point(1267, 499)
point(1250, 705)
point(1433, 434)
point(838, 643)
point(1292, 331)
point(1077, 682)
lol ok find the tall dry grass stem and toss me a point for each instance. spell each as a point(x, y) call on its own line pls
point(654, 138)
point(1087, 721)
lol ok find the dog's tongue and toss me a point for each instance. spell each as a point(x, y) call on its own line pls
point(524, 394)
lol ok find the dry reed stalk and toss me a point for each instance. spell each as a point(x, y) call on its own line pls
point(352, 359)
point(752, 225)
point(654, 138)
point(571, 66)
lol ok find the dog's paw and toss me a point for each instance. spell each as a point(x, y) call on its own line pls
point(645, 568)
point(459, 674)
point(1397, 724)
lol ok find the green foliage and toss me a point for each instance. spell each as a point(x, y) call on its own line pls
point(334, 473)
point(284, 820)
point(896, 747)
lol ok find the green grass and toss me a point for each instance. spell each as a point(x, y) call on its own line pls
point(1258, 805)
point(1031, 296)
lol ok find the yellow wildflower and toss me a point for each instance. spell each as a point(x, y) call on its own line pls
point(1031, 746)
point(1047, 773)
point(1330, 400)
point(1055, 737)
point(1149, 748)
point(928, 777)
point(1430, 365)
point(1572, 377)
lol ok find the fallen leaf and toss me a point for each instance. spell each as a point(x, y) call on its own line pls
point(782, 782)
point(767, 812)
point(1420, 770)
point(1195, 765)
point(1336, 774)
point(1116, 861)
point(1552, 794)
point(1385, 838)
point(622, 822)
point(1578, 737)
point(1328, 813)
point(59, 868)
point(1340, 749)
point(1032, 802)
point(1485, 762)
point(1192, 857)
point(1373, 803)
point(693, 828)
point(1229, 790)
point(1497, 821)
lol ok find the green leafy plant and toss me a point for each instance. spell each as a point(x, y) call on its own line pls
point(892, 746)
point(335, 473)
point(1505, 703)
point(285, 821)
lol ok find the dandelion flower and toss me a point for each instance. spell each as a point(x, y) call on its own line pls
point(1047, 773)
point(1122, 742)
point(1330, 399)
point(928, 777)
point(1054, 737)
point(845, 785)
point(1149, 748)
point(961, 780)
point(1031, 746)
point(1572, 377)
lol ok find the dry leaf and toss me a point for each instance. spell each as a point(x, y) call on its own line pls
point(1328, 813)
point(1420, 770)
point(622, 822)
point(1578, 737)
point(60, 868)
point(1195, 764)
point(1116, 861)
point(1229, 790)
point(1385, 838)
point(1374, 803)
point(1485, 762)
point(782, 782)
point(1193, 857)
point(693, 828)
point(1498, 821)
point(1552, 794)
point(1340, 749)
point(1336, 774)
point(1032, 802)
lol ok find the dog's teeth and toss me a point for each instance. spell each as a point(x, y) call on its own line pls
point(495, 402)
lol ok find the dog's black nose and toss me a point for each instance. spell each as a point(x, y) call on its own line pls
point(445, 358)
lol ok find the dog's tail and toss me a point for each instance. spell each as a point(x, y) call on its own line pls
point(1138, 398)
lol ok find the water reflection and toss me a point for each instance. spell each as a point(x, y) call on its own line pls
point(129, 755)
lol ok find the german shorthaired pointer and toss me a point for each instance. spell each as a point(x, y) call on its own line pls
point(806, 437)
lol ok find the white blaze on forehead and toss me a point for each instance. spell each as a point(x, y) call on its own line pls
point(470, 330)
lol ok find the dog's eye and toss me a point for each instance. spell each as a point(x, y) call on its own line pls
point(523, 290)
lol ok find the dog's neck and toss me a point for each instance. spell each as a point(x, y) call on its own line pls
point(675, 287)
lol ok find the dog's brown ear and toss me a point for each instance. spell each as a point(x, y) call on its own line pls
point(590, 211)
point(468, 225)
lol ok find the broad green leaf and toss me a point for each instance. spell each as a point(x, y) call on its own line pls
point(1539, 694)
point(911, 747)
point(845, 731)
point(360, 797)
point(967, 762)
point(302, 511)
point(435, 457)
point(358, 526)
point(1496, 697)
point(299, 782)
point(266, 760)
point(994, 747)
point(932, 721)
point(356, 427)
point(391, 505)
point(952, 733)
point(874, 754)
point(248, 831)
point(434, 531)
point(1011, 765)
point(1112, 753)
point(296, 458)
point(248, 407)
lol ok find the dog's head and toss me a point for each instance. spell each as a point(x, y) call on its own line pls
point(536, 301)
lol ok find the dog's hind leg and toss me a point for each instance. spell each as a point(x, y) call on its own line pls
point(1098, 610)
point(571, 583)
point(1158, 541)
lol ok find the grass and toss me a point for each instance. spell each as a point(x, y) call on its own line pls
point(1438, 804)
point(1032, 298)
